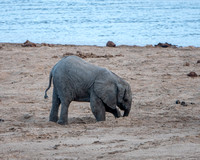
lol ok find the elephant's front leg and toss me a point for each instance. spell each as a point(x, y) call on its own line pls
point(98, 108)
point(54, 109)
point(115, 111)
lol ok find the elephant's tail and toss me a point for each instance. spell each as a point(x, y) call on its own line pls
point(50, 78)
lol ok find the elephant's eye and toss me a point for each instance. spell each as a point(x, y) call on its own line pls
point(125, 100)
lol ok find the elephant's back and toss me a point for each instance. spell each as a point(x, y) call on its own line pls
point(74, 69)
point(76, 64)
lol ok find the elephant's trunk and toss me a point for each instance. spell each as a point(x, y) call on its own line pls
point(126, 112)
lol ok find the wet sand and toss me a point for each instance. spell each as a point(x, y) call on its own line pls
point(157, 127)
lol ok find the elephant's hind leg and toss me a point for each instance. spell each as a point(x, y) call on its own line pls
point(55, 106)
point(64, 111)
point(98, 108)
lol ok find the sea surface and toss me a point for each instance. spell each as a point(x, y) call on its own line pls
point(94, 22)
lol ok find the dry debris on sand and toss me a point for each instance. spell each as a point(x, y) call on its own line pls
point(160, 125)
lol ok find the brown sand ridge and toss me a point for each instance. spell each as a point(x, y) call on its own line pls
point(164, 122)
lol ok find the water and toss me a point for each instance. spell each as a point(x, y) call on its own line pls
point(94, 22)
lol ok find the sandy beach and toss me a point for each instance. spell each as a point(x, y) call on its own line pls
point(164, 122)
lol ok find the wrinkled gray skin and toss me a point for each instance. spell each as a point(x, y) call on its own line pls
point(76, 80)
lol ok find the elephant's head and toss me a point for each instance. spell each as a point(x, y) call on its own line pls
point(124, 97)
point(114, 91)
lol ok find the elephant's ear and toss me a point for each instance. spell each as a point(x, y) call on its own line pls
point(106, 90)
point(120, 93)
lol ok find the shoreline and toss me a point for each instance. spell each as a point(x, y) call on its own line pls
point(165, 45)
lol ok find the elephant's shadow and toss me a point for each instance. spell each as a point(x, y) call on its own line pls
point(82, 120)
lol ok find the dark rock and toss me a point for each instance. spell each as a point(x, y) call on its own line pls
point(12, 129)
point(178, 102)
point(27, 116)
point(198, 61)
point(183, 103)
point(110, 44)
point(28, 44)
point(192, 74)
point(55, 57)
point(186, 64)
point(56, 146)
point(45, 44)
point(164, 45)
point(48, 45)
point(1, 120)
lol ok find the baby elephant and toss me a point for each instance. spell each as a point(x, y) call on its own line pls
point(76, 80)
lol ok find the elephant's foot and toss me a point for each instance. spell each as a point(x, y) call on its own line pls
point(53, 119)
point(99, 120)
point(100, 117)
point(61, 122)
